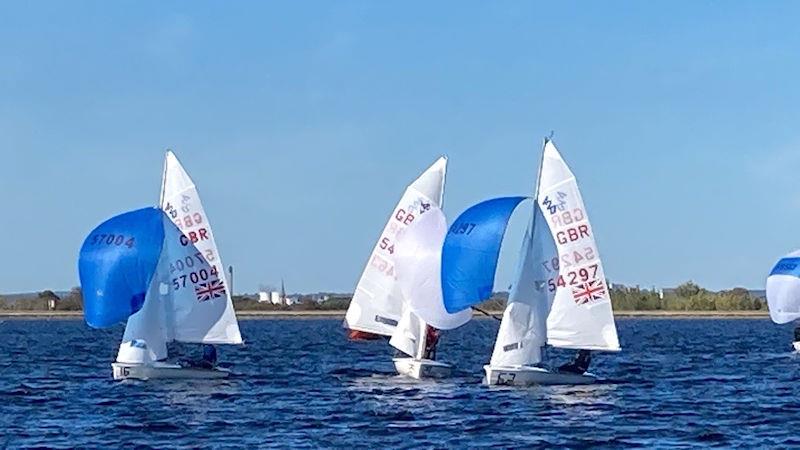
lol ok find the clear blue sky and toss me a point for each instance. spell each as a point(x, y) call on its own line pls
point(302, 122)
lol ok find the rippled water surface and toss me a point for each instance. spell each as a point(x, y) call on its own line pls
point(686, 382)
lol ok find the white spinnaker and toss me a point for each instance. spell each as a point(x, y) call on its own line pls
point(523, 330)
point(419, 267)
point(783, 294)
point(377, 304)
point(196, 318)
point(581, 315)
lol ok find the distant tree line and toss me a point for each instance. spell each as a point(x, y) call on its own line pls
point(45, 301)
point(686, 297)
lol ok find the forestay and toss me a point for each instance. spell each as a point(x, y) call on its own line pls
point(581, 315)
point(377, 303)
point(783, 289)
point(419, 266)
point(201, 302)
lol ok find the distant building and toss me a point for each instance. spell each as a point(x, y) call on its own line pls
point(320, 298)
point(263, 297)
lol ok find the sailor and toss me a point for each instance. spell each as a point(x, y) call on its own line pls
point(797, 334)
point(431, 339)
point(208, 361)
point(209, 356)
point(580, 365)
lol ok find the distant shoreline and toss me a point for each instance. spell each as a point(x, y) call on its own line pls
point(340, 314)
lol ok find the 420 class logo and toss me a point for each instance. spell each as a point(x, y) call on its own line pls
point(559, 205)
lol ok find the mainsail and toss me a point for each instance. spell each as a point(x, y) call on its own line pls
point(377, 304)
point(207, 315)
point(783, 289)
point(581, 316)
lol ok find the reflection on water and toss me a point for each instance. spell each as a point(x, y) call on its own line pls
point(300, 383)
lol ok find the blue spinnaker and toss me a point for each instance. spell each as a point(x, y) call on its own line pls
point(470, 252)
point(787, 266)
point(117, 262)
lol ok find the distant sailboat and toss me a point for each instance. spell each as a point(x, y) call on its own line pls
point(559, 297)
point(378, 306)
point(783, 293)
point(160, 270)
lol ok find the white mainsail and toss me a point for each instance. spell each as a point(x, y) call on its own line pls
point(581, 316)
point(188, 299)
point(783, 289)
point(560, 295)
point(211, 320)
point(377, 304)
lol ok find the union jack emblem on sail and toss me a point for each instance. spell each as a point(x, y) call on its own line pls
point(589, 291)
point(207, 291)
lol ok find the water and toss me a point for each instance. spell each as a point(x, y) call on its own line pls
point(687, 382)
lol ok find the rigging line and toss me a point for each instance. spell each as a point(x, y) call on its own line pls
point(487, 314)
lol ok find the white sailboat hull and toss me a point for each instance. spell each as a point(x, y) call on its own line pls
point(422, 368)
point(796, 345)
point(123, 371)
point(528, 376)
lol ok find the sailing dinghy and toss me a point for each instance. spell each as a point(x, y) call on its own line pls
point(783, 292)
point(559, 297)
point(159, 269)
point(378, 306)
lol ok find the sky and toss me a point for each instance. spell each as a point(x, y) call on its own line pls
point(303, 122)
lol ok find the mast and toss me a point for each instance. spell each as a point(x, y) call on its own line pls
point(536, 205)
point(163, 181)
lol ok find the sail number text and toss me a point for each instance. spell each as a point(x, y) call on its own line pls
point(112, 239)
point(195, 277)
point(573, 277)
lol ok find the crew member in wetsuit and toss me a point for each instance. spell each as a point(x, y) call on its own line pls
point(580, 365)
